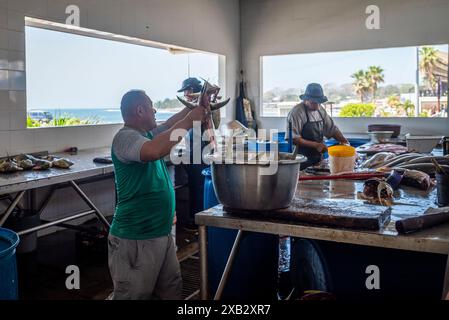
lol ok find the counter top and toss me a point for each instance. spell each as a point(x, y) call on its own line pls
point(410, 202)
point(83, 167)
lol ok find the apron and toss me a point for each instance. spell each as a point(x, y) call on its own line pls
point(312, 131)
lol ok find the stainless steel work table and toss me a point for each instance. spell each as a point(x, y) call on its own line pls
point(432, 240)
point(19, 183)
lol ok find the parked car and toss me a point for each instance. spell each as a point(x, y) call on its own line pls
point(41, 116)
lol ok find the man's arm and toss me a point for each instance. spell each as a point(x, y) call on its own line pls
point(176, 117)
point(340, 137)
point(161, 145)
point(170, 122)
point(320, 147)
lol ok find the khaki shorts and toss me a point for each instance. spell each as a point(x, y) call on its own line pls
point(144, 269)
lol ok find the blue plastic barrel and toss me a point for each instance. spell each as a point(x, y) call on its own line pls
point(210, 199)
point(283, 145)
point(260, 146)
point(8, 265)
point(254, 273)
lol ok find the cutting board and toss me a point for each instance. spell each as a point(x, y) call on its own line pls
point(345, 213)
point(430, 218)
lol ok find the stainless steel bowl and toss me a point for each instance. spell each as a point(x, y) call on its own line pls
point(246, 187)
point(380, 136)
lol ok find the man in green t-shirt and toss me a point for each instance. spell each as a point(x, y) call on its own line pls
point(142, 256)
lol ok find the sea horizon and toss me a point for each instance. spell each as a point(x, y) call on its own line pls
point(103, 115)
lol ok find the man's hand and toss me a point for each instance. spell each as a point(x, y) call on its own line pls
point(174, 219)
point(320, 147)
point(197, 114)
point(341, 138)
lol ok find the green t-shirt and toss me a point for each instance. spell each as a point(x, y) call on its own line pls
point(145, 197)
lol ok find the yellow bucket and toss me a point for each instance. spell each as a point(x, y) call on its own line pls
point(341, 151)
point(341, 159)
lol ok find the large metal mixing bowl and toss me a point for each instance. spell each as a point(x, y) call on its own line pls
point(247, 187)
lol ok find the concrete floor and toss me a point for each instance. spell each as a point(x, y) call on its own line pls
point(42, 272)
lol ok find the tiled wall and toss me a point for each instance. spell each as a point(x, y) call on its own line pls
point(210, 25)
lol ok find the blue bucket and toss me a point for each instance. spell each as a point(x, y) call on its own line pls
point(8, 265)
point(284, 145)
point(257, 258)
point(210, 199)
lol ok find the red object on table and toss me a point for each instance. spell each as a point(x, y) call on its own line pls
point(352, 176)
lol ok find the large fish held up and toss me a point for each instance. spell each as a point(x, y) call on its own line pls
point(208, 98)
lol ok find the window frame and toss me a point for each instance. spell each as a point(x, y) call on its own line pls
point(261, 87)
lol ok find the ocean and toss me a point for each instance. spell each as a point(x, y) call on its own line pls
point(101, 114)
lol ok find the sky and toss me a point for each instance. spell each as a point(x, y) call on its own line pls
point(297, 70)
point(71, 71)
point(65, 70)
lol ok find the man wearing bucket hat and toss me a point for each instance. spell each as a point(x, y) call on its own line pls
point(310, 123)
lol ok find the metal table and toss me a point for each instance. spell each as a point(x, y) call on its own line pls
point(84, 168)
point(433, 240)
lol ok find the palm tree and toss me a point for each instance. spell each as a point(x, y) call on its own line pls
point(409, 108)
point(393, 101)
point(375, 76)
point(361, 84)
point(427, 63)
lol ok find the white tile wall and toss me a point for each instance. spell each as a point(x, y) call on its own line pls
point(21, 141)
point(16, 40)
point(67, 137)
point(104, 15)
point(45, 138)
point(4, 61)
point(127, 20)
point(16, 21)
point(4, 121)
point(3, 39)
point(56, 10)
point(4, 141)
point(17, 80)
point(17, 99)
point(4, 80)
point(18, 119)
point(4, 100)
point(3, 18)
point(16, 60)
point(30, 7)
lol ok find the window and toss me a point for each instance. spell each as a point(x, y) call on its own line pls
point(392, 82)
point(74, 79)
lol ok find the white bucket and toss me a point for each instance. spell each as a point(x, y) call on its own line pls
point(341, 159)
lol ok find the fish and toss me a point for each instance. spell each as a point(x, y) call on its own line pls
point(62, 163)
point(428, 168)
point(416, 179)
point(25, 164)
point(401, 159)
point(378, 159)
point(9, 166)
point(42, 166)
point(428, 159)
point(378, 191)
point(208, 99)
point(39, 164)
